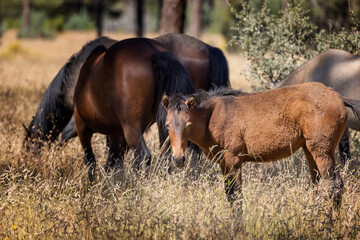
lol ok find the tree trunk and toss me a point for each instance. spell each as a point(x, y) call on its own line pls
point(284, 4)
point(172, 16)
point(195, 23)
point(99, 7)
point(1, 29)
point(139, 18)
point(26, 15)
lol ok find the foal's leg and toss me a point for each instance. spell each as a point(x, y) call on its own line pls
point(344, 146)
point(231, 168)
point(314, 170)
point(117, 149)
point(134, 138)
point(325, 162)
point(85, 134)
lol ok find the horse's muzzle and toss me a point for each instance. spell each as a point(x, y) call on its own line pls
point(179, 161)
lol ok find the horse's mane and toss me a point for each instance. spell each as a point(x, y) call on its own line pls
point(56, 107)
point(171, 78)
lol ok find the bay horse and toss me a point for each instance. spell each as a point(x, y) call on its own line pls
point(118, 94)
point(339, 70)
point(54, 120)
point(261, 127)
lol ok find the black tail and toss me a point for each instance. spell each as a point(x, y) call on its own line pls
point(56, 107)
point(353, 104)
point(219, 71)
point(170, 77)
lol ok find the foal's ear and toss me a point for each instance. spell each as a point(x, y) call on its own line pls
point(165, 101)
point(190, 102)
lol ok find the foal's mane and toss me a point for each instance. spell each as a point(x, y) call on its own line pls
point(202, 98)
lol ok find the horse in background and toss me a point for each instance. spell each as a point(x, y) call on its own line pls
point(339, 70)
point(233, 127)
point(54, 120)
point(118, 94)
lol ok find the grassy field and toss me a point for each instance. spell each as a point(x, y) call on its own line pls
point(49, 197)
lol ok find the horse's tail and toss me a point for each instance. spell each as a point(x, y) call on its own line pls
point(353, 104)
point(219, 71)
point(170, 77)
point(56, 107)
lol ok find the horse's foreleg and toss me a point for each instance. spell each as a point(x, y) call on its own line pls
point(344, 146)
point(117, 149)
point(85, 134)
point(67, 133)
point(134, 138)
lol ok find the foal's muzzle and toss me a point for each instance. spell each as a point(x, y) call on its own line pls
point(179, 161)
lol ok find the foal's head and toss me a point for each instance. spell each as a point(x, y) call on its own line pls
point(178, 124)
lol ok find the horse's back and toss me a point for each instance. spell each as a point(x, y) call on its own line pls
point(192, 54)
point(120, 87)
point(334, 68)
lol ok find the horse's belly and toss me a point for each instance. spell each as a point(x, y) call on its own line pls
point(273, 148)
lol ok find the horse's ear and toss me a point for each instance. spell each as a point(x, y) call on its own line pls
point(28, 132)
point(190, 102)
point(165, 101)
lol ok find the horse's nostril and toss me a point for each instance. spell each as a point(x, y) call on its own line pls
point(179, 161)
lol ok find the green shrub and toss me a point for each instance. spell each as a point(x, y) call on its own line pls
point(38, 26)
point(274, 45)
point(79, 21)
point(277, 44)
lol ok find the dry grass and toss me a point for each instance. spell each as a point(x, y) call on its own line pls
point(49, 197)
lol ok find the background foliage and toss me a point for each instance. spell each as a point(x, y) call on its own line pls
point(277, 44)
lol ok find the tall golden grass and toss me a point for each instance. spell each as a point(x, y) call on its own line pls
point(49, 197)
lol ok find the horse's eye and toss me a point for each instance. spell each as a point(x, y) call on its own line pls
point(188, 125)
point(167, 126)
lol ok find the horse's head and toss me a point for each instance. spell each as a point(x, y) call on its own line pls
point(178, 124)
point(32, 143)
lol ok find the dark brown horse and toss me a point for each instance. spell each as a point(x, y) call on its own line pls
point(205, 64)
point(337, 69)
point(119, 93)
point(261, 127)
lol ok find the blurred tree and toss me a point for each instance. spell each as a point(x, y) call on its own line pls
point(99, 7)
point(172, 16)
point(195, 21)
point(25, 15)
point(139, 18)
point(1, 22)
point(336, 11)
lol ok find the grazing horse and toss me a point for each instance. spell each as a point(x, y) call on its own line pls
point(118, 94)
point(205, 64)
point(341, 71)
point(261, 127)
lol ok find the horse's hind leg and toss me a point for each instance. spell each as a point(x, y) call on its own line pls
point(85, 134)
point(344, 146)
point(134, 138)
point(117, 149)
point(314, 170)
